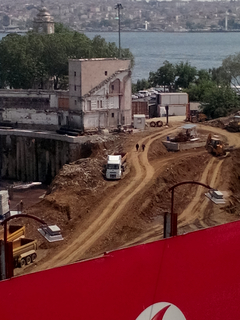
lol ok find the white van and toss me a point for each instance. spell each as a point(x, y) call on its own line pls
point(145, 93)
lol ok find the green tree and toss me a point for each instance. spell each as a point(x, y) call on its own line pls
point(185, 74)
point(203, 74)
point(219, 101)
point(221, 76)
point(164, 76)
point(61, 28)
point(19, 61)
point(196, 90)
point(142, 85)
point(231, 70)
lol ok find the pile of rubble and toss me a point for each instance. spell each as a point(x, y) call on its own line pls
point(231, 123)
point(82, 174)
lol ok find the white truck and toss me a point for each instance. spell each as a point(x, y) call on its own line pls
point(115, 166)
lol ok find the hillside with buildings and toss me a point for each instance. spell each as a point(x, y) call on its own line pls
point(98, 15)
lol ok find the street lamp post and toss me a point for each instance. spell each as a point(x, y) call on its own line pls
point(173, 222)
point(7, 249)
point(119, 7)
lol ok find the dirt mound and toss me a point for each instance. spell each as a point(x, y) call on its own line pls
point(219, 123)
point(73, 192)
point(157, 149)
point(234, 182)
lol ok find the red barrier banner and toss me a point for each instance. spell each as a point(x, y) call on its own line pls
point(193, 276)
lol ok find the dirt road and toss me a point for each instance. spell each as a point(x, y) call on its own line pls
point(143, 175)
point(112, 208)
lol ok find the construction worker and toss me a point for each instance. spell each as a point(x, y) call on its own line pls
point(21, 206)
point(137, 146)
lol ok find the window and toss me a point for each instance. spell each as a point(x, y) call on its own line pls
point(89, 105)
point(75, 101)
point(112, 166)
point(59, 120)
point(112, 86)
point(112, 115)
point(75, 74)
point(75, 88)
point(105, 73)
point(98, 104)
point(101, 104)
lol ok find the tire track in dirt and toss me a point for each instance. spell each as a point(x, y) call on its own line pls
point(144, 173)
point(155, 232)
point(210, 176)
point(190, 213)
point(196, 211)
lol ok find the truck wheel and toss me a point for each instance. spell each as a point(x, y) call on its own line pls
point(152, 124)
point(34, 257)
point(28, 260)
point(22, 262)
point(209, 149)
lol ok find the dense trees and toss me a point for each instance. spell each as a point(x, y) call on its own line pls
point(214, 92)
point(173, 76)
point(31, 60)
point(219, 101)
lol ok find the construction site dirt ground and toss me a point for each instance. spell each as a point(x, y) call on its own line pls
point(97, 216)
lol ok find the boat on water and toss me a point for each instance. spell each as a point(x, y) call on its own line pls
point(12, 29)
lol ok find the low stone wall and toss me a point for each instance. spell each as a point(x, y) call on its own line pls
point(191, 145)
point(175, 146)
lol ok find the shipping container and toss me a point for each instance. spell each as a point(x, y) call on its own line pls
point(140, 107)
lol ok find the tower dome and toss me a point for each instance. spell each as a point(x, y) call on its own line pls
point(43, 22)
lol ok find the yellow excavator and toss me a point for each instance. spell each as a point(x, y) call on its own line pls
point(215, 146)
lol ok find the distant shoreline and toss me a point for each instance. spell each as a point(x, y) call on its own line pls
point(137, 31)
point(149, 31)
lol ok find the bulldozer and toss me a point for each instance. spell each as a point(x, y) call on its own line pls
point(196, 116)
point(234, 125)
point(215, 146)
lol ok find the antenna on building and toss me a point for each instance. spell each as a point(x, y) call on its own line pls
point(119, 7)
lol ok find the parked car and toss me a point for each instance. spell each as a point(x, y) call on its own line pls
point(152, 91)
point(134, 96)
point(140, 95)
point(145, 93)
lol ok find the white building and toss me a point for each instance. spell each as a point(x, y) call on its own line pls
point(176, 102)
point(99, 93)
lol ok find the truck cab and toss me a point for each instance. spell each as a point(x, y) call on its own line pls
point(114, 167)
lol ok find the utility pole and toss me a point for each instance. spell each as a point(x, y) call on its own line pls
point(119, 7)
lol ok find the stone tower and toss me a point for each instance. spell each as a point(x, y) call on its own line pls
point(43, 22)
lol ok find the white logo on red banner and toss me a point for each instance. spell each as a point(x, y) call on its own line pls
point(161, 311)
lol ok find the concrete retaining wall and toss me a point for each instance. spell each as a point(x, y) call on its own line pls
point(31, 156)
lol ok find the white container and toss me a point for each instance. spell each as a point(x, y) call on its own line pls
point(139, 121)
